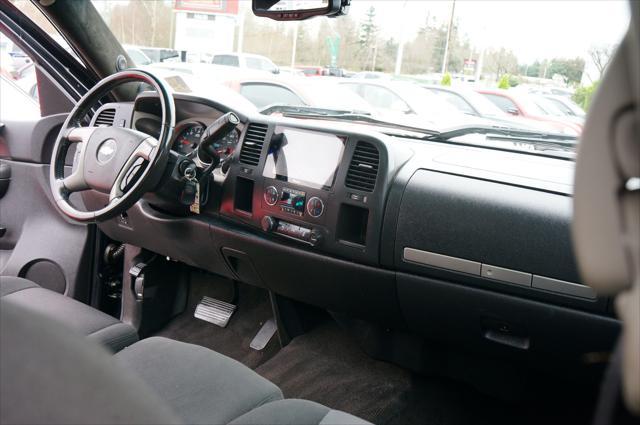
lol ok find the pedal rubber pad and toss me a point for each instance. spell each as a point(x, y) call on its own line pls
point(214, 311)
point(264, 335)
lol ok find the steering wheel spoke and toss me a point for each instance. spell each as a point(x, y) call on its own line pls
point(142, 153)
point(75, 182)
point(79, 134)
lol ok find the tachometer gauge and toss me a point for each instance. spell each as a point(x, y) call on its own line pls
point(189, 138)
point(227, 145)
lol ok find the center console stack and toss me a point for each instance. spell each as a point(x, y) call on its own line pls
point(317, 188)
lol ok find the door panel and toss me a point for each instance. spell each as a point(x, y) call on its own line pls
point(39, 243)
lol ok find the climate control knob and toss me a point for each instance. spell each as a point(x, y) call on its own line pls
point(315, 207)
point(271, 195)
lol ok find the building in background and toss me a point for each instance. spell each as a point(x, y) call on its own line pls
point(205, 27)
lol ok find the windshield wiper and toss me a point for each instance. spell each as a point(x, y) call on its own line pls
point(552, 141)
point(338, 114)
point(508, 133)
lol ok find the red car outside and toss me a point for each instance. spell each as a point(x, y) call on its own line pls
point(520, 104)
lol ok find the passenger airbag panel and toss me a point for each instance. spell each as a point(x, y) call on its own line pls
point(485, 222)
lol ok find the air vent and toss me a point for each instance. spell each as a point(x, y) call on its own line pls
point(105, 118)
point(363, 169)
point(252, 145)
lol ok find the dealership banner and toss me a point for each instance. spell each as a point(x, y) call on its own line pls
point(207, 6)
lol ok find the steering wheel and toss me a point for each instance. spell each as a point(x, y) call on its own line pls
point(117, 161)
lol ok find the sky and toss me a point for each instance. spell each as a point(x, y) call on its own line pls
point(534, 30)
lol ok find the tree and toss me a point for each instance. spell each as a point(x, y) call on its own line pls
point(570, 69)
point(601, 56)
point(368, 29)
point(583, 95)
point(368, 38)
point(504, 82)
point(501, 61)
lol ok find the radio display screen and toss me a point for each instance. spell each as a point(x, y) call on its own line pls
point(292, 201)
point(304, 157)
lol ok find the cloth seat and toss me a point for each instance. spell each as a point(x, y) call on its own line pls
point(80, 317)
point(199, 385)
point(300, 412)
point(51, 375)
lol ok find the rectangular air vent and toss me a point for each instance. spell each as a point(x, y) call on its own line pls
point(105, 118)
point(363, 169)
point(252, 144)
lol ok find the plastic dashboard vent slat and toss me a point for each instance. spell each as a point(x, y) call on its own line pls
point(363, 169)
point(105, 118)
point(252, 145)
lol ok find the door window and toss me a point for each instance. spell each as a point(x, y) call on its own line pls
point(228, 60)
point(502, 102)
point(19, 96)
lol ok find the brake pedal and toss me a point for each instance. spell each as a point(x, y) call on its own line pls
point(264, 335)
point(214, 311)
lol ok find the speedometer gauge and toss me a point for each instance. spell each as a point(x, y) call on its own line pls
point(188, 139)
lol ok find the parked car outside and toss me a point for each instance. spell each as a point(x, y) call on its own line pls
point(137, 56)
point(287, 70)
point(321, 93)
point(523, 105)
point(552, 109)
point(370, 75)
point(566, 105)
point(409, 102)
point(472, 103)
point(156, 54)
point(15, 103)
point(246, 61)
point(311, 71)
point(25, 78)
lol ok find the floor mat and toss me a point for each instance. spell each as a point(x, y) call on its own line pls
point(326, 366)
point(233, 341)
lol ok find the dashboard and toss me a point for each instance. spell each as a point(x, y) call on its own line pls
point(409, 234)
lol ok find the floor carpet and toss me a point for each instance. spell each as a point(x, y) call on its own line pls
point(325, 365)
point(252, 311)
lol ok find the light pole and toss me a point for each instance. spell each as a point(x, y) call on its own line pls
point(295, 45)
point(403, 36)
point(445, 59)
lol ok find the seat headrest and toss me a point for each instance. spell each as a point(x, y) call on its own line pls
point(606, 198)
point(606, 226)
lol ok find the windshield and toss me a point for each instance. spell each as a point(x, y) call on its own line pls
point(517, 48)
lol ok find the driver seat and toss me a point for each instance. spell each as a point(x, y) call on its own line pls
point(85, 320)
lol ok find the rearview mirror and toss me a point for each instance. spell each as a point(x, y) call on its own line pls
point(298, 10)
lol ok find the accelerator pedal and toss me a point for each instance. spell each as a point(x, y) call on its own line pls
point(264, 335)
point(214, 311)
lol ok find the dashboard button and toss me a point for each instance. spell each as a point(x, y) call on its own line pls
point(315, 207)
point(271, 195)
